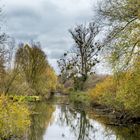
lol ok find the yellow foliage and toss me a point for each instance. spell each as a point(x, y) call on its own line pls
point(122, 92)
point(129, 89)
point(51, 79)
point(103, 89)
point(14, 118)
point(32, 74)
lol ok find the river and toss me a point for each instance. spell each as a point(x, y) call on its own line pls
point(58, 121)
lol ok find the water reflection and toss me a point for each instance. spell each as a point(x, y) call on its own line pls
point(61, 122)
point(73, 125)
point(41, 118)
point(78, 122)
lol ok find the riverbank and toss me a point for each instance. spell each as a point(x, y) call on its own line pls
point(116, 117)
point(65, 110)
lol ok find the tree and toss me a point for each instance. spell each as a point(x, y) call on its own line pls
point(78, 63)
point(34, 71)
point(3, 53)
point(122, 19)
point(2, 68)
point(7, 46)
point(31, 61)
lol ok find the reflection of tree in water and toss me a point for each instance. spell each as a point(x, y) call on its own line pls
point(131, 132)
point(40, 120)
point(82, 124)
point(86, 127)
point(77, 121)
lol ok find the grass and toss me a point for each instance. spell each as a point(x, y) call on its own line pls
point(81, 98)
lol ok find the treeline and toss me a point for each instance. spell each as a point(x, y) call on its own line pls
point(114, 35)
point(27, 72)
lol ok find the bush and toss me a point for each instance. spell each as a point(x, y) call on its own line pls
point(104, 92)
point(14, 118)
point(129, 90)
point(122, 93)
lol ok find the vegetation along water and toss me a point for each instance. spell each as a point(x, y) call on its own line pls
point(94, 91)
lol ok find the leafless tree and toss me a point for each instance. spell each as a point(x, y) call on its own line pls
point(83, 57)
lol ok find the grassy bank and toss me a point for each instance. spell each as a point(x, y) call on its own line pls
point(80, 98)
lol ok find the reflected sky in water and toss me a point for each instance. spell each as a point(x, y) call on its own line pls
point(61, 122)
point(71, 125)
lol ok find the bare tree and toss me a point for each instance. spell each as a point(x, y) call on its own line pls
point(6, 66)
point(3, 53)
point(83, 57)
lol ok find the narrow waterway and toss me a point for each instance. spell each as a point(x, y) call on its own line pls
point(63, 122)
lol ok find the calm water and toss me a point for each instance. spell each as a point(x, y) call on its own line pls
point(62, 122)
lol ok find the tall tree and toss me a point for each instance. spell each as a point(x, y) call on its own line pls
point(35, 73)
point(83, 57)
point(31, 61)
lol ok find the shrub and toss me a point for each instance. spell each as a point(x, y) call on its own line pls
point(121, 91)
point(104, 92)
point(129, 90)
point(14, 118)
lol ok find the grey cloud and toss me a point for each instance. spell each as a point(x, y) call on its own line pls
point(22, 12)
point(55, 54)
point(24, 36)
point(47, 23)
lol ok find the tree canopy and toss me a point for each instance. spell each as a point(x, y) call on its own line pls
point(122, 19)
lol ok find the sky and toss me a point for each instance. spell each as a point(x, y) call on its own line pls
point(46, 21)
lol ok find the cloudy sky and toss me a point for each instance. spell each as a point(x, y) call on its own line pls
point(46, 21)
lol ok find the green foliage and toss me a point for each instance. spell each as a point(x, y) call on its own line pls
point(80, 98)
point(78, 83)
point(123, 40)
point(92, 80)
point(14, 118)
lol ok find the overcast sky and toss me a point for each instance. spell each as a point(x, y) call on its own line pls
point(46, 21)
